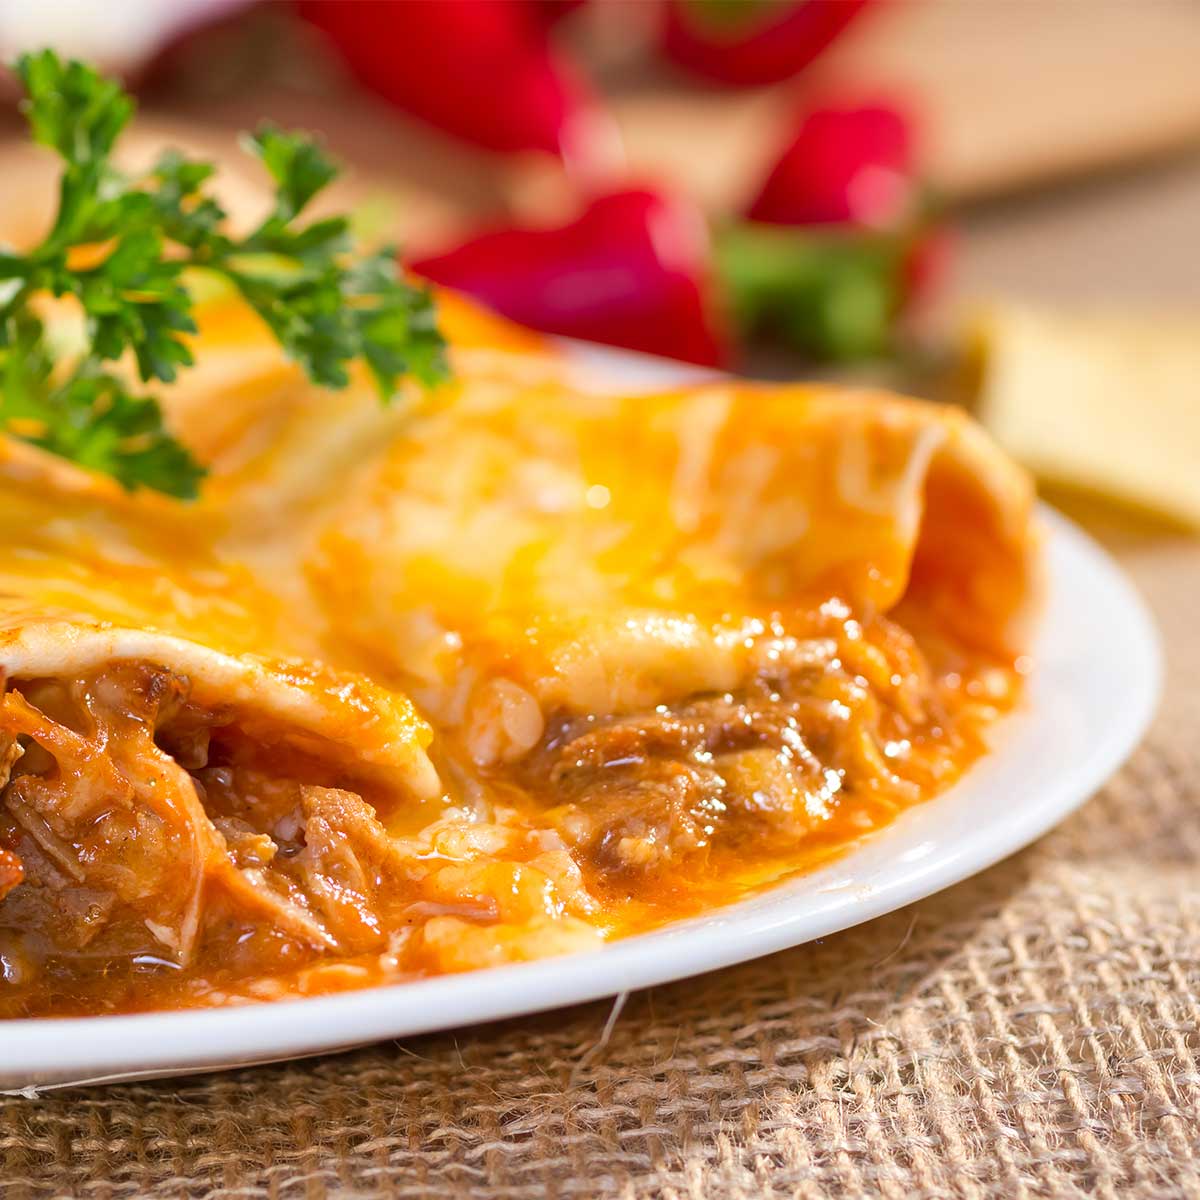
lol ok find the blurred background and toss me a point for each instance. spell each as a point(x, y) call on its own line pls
point(992, 201)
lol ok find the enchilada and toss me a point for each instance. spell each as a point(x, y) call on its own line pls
point(494, 674)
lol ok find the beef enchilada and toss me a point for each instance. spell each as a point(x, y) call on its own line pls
point(517, 669)
point(332, 663)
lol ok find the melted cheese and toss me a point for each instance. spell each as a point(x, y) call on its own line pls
point(607, 551)
point(576, 637)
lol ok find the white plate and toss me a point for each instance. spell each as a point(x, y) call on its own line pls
point(1091, 697)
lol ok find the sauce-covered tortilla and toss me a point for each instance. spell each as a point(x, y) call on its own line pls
point(483, 677)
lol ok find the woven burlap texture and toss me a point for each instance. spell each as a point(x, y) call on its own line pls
point(1030, 1033)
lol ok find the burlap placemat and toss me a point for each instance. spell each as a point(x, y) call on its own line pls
point(1030, 1033)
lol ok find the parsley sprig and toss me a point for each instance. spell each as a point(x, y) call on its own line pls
point(120, 246)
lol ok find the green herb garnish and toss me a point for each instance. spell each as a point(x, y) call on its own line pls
point(121, 245)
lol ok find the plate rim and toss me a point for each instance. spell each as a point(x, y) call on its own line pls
point(78, 1051)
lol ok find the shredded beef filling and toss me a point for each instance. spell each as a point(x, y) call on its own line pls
point(824, 725)
point(135, 825)
point(144, 837)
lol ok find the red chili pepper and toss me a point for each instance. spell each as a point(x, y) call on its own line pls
point(847, 165)
point(840, 242)
point(483, 70)
point(630, 271)
point(553, 11)
point(747, 42)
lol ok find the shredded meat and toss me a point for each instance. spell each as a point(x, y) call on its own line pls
point(754, 772)
point(156, 851)
point(12, 872)
point(649, 790)
point(317, 860)
point(112, 845)
point(345, 856)
point(100, 803)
